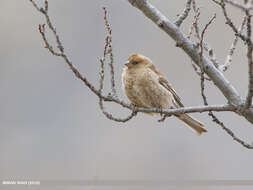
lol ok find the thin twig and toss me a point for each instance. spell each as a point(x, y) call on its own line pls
point(62, 54)
point(194, 24)
point(203, 33)
point(102, 76)
point(197, 14)
point(229, 131)
point(47, 45)
point(184, 14)
point(250, 63)
point(244, 7)
point(110, 52)
point(210, 113)
point(229, 21)
point(111, 117)
point(206, 46)
point(197, 70)
point(202, 79)
point(35, 5)
point(247, 40)
point(228, 61)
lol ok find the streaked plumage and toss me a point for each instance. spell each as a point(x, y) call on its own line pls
point(146, 87)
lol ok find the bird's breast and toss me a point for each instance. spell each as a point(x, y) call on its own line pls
point(143, 89)
point(130, 83)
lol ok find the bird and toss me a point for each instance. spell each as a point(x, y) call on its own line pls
point(145, 86)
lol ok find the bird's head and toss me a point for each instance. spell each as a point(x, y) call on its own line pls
point(138, 61)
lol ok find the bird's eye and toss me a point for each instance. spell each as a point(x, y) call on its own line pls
point(135, 62)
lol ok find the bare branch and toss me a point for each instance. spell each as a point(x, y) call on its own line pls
point(111, 117)
point(184, 14)
point(47, 45)
point(197, 13)
point(201, 44)
point(201, 72)
point(50, 25)
point(198, 71)
point(211, 114)
point(110, 52)
point(230, 132)
point(211, 54)
point(202, 35)
point(202, 79)
point(189, 48)
point(195, 109)
point(244, 7)
point(102, 76)
point(247, 40)
point(194, 24)
point(250, 63)
point(35, 6)
point(60, 47)
point(206, 46)
point(228, 61)
point(229, 21)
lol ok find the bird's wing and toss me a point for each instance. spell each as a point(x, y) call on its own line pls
point(167, 85)
point(162, 80)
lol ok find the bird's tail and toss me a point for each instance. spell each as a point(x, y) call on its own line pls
point(194, 124)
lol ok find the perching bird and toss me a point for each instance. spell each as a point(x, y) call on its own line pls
point(146, 87)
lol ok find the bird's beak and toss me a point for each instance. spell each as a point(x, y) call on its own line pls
point(127, 64)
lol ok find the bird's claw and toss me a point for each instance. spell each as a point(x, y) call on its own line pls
point(163, 117)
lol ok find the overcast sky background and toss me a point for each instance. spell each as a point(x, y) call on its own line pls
point(51, 127)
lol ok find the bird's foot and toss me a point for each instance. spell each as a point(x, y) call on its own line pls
point(134, 110)
point(163, 117)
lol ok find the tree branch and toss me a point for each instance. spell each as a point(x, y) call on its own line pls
point(229, 21)
point(206, 46)
point(228, 61)
point(202, 85)
point(108, 51)
point(202, 79)
point(184, 14)
point(250, 63)
point(193, 52)
point(243, 7)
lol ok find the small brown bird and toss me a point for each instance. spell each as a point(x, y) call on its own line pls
point(146, 87)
